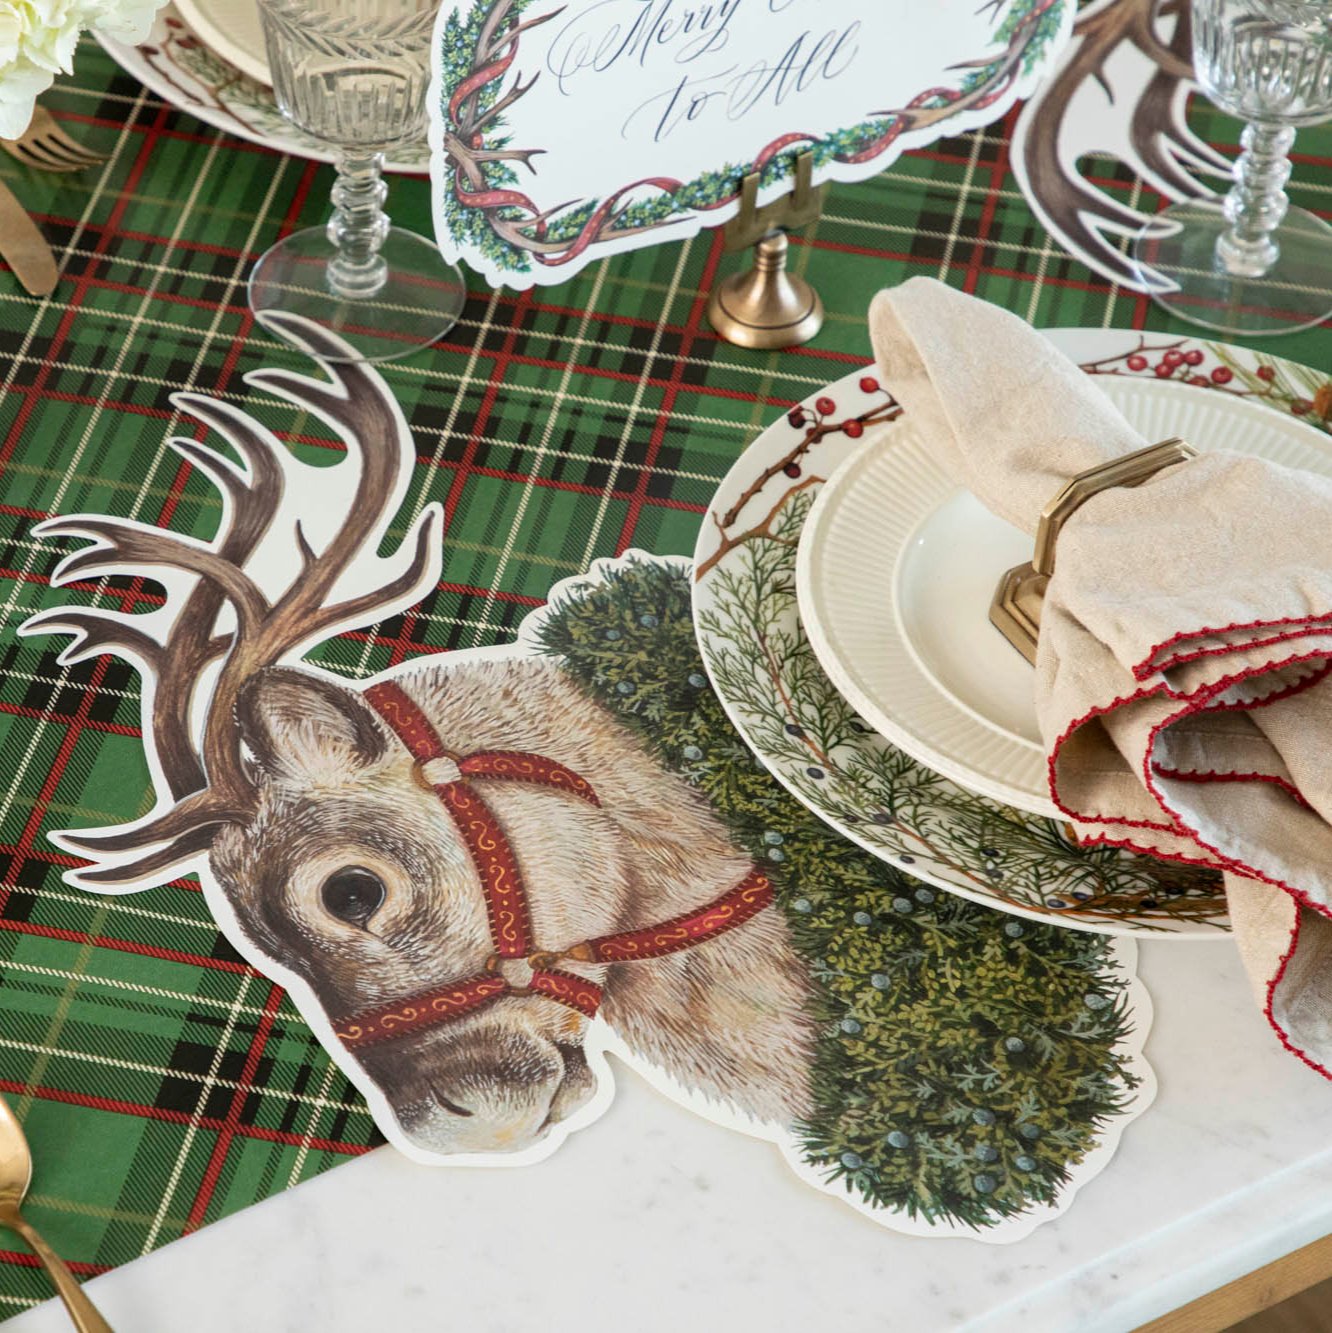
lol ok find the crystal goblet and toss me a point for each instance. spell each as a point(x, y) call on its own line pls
point(354, 73)
point(1251, 263)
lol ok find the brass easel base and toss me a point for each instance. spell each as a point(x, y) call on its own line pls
point(766, 307)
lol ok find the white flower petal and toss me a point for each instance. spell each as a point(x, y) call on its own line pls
point(38, 39)
point(20, 85)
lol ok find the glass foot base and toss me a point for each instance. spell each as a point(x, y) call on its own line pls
point(420, 300)
point(1295, 293)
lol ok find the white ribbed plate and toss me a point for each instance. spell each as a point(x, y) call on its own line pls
point(801, 727)
point(897, 568)
point(234, 30)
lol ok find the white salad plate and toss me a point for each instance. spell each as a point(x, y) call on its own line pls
point(234, 30)
point(898, 565)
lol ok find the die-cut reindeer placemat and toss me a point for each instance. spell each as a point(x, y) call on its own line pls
point(480, 874)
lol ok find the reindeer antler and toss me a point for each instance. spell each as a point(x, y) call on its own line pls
point(1144, 127)
point(206, 780)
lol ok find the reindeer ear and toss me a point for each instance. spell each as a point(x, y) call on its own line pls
point(303, 727)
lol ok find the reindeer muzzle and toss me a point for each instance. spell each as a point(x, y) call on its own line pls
point(449, 776)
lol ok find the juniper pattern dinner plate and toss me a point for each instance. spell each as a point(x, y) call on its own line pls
point(803, 729)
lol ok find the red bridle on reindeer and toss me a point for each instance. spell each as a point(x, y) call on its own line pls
point(448, 776)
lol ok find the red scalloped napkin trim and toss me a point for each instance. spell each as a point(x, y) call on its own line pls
point(1098, 829)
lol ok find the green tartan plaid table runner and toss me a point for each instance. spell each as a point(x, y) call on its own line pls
point(162, 1082)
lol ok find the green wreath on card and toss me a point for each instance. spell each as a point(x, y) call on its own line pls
point(487, 209)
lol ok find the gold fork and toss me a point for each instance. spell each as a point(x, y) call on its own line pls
point(47, 147)
point(15, 1174)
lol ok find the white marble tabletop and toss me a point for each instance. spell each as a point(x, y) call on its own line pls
point(653, 1219)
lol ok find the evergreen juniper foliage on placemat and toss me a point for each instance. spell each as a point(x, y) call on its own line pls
point(969, 1057)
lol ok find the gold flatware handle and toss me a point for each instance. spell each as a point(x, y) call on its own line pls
point(24, 248)
point(81, 1309)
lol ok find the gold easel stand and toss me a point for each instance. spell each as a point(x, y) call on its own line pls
point(766, 306)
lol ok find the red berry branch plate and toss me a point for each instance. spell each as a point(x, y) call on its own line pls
point(806, 732)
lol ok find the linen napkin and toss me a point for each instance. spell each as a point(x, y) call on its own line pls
point(1183, 676)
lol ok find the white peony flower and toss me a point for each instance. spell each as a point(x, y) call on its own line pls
point(11, 33)
point(126, 21)
point(21, 83)
point(37, 42)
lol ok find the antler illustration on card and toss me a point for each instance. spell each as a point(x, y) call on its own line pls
point(1120, 91)
point(479, 872)
point(187, 657)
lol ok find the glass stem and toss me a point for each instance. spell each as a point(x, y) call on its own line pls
point(358, 226)
point(1257, 201)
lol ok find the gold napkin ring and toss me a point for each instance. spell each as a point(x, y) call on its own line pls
point(1016, 609)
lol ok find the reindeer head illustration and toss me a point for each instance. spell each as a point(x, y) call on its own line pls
point(335, 864)
point(374, 848)
point(350, 872)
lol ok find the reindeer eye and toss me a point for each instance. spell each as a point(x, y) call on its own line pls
point(353, 895)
